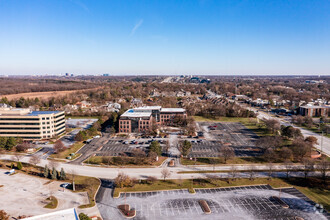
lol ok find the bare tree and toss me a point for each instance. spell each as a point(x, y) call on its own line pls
point(227, 153)
point(165, 173)
point(59, 146)
point(270, 167)
point(34, 159)
point(251, 172)
point(288, 167)
point(324, 166)
point(17, 157)
point(233, 172)
point(308, 166)
point(213, 161)
point(270, 155)
point(53, 164)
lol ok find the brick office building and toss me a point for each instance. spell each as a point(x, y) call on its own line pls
point(141, 119)
point(314, 111)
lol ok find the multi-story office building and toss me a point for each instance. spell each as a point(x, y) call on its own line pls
point(31, 125)
point(141, 119)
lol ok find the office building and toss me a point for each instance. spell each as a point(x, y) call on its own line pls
point(31, 125)
point(141, 119)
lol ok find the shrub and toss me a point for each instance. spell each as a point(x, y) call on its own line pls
point(83, 216)
point(19, 165)
point(54, 174)
point(46, 172)
point(122, 180)
point(151, 179)
point(62, 175)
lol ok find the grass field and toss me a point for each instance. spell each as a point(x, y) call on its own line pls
point(311, 188)
point(98, 161)
point(90, 185)
point(52, 203)
point(62, 155)
point(43, 95)
point(211, 161)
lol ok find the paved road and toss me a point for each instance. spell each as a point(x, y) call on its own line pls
point(306, 133)
point(142, 173)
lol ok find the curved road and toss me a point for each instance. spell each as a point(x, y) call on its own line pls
point(142, 173)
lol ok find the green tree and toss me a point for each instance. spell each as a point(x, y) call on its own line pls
point(83, 216)
point(19, 165)
point(46, 171)
point(3, 142)
point(185, 148)
point(155, 147)
point(81, 136)
point(62, 174)
point(54, 174)
point(11, 142)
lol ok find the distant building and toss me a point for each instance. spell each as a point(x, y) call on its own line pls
point(106, 74)
point(31, 125)
point(83, 104)
point(313, 111)
point(136, 102)
point(141, 119)
point(112, 107)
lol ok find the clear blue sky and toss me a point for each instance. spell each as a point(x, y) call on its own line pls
point(165, 37)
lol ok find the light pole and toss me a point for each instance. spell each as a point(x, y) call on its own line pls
point(322, 143)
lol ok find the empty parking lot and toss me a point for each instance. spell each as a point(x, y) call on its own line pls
point(235, 135)
point(249, 202)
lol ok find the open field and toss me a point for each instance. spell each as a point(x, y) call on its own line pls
point(211, 161)
point(23, 194)
point(98, 160)
point(43, 95)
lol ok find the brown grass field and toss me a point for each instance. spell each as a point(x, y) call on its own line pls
point(43, 95)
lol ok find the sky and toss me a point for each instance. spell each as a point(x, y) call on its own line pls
point(202, 37)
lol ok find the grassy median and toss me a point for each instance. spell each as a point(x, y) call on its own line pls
point(64, 154)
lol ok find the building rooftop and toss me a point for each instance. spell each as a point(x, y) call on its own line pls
point(148, 108)
point(172, 110)
point(35, 113)
point(314, 106)
point(24, 112)
point(134, 114)
point(66, 214)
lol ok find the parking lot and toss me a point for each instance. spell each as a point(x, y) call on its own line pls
point(26, 195)
point(110, 146)
point(234, 135)
point(247, 202)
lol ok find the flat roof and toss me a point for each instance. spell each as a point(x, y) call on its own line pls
point(66, 214)
point(172, 110)
point(314, 106)
point(148, 108)
point(133, 114)
point(36, 113)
